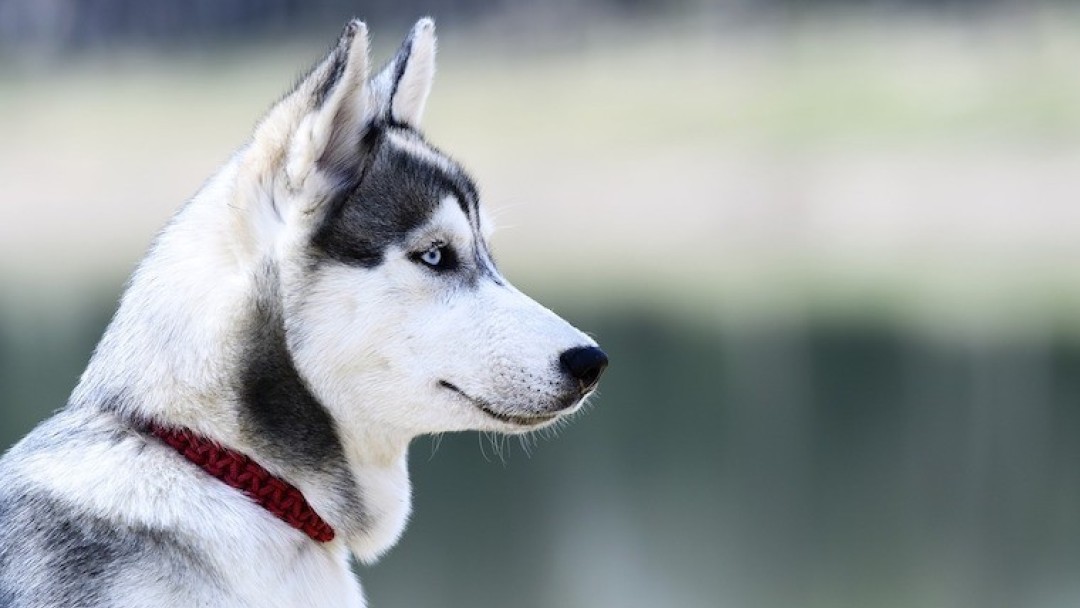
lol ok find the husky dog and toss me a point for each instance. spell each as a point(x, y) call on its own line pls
point(326, 297)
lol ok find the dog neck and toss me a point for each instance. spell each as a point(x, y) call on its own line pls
point(242, 473)
point(198, 342)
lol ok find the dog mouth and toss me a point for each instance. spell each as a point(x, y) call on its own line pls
point(531, 420)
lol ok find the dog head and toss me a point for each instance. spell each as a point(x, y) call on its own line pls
point(394, 311)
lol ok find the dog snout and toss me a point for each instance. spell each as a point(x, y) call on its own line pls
point(584, 364)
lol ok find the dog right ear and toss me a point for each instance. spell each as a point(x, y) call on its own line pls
point(327, 110)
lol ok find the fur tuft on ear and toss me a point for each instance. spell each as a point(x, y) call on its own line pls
point(400, 91)
point(331, 101)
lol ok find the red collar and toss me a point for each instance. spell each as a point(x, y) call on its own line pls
point(241, 472)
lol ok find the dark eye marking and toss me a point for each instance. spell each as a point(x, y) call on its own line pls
point(439, 257)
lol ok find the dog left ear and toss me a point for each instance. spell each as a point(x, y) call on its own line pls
point(400, 90)
point(328, 133)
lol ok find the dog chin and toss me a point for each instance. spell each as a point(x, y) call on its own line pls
point(515, 421)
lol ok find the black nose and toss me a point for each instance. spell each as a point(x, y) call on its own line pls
point(585, 364)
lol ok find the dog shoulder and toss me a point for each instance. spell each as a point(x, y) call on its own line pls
point(94, 513)
point(57, 551)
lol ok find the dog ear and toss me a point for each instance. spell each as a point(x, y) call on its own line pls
point(333, 112)
point(400, 90)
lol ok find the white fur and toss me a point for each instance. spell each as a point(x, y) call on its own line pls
point(243, 540)
point(332, 130)
point(407, 106)
point(380, 369)
point(372, 344)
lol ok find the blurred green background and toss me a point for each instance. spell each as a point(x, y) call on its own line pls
point(831, 248)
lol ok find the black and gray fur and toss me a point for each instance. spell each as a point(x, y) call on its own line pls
point(229, 328)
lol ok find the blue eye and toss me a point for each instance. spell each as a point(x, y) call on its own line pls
point(439, 256)
point(432, 257)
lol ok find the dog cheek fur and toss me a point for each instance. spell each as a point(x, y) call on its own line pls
point(351, 344)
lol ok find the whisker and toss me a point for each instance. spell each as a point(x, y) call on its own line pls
point(436, 442)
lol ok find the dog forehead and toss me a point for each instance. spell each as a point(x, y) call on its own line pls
point(449, 215)
point(403, 188)
point(410, 143)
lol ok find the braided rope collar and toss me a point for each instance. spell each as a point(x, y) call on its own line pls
point(241, 472)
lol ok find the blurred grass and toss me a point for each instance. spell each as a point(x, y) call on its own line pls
point(921, 170)
point(833, 260)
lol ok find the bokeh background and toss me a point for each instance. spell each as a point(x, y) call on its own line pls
point(832, 248)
